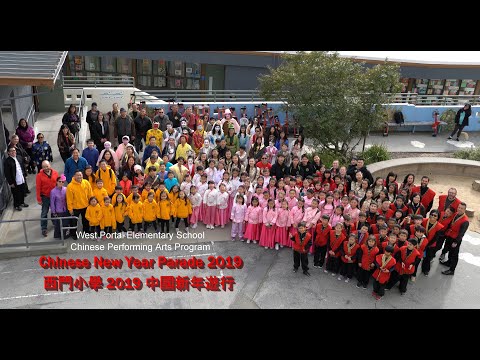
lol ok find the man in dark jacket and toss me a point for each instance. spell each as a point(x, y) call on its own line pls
point(162, 119)
point(14, 176)
point(306, 168)
point(142, 124)
point(366, 174)
point(92, 116)
point(100, 132)
point(461, 120)
point(352, 168)
point(279, 169)
point(174, 116)
point(124, 126)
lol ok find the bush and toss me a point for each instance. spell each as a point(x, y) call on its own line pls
point(375, 154)
point(468, 154)
point(449, 117)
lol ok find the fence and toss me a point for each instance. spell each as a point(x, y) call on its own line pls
point(40, 243)
point(79, 82)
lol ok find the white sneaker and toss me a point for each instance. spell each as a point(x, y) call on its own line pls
point(333, 274)
point(347, 280)
point(242, 239)
point(340, 278)
point(233, 239)
point(248, 241)
point(254, 241)
point(325, 271)
point(277, 247)
point(266, 247)
point(413, 278)
point(187, 230)
point(223, 226)
point(281, 246)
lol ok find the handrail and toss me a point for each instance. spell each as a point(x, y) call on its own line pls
point(31, 114)
point(200, 95)
point(78, 82)
point(27, 244)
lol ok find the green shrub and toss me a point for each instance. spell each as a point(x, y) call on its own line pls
point(468, 154)
point(449, 117)
point(375, 154)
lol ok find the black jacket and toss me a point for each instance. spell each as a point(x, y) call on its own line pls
point(98, 132)
point(292, 171)
point(142, 125)
point(10, 169)
point(306, 170)
point(89, 119)
point(279, 171)
point(367, 175)
point(175, 119)
point(465, 119)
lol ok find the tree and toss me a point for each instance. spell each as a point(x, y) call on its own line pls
point(335, 99)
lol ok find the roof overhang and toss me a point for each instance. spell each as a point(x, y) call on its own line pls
point(31, 68)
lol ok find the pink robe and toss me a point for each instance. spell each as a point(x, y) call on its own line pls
point(196, 201)
point(267, 237)
point(281, 230)
point(210, 202)
point(253, 218)
point(221, 214)
point(296, 216)
point(327, 209)
point(292, 202)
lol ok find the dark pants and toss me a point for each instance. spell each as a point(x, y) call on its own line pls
point(379, 288)
point(120, 227)
point(164, 223)
point(333, 264)
point(364, 276)
point(61, 223)
point(30, 166)
point(65, 156)
point(95, 230)
point(146, 224)
point(300, 257)
point(45, 208)
point(138, 143)
point(139, 226)
point(319, 256)
point(177, 222)
point(346, 269)
point(396, 277)
point(85, 225)
point(440, 242)
point(18, 193)
point(459, 128)
point(452, 253)
point(426, 260)
point(417, 262)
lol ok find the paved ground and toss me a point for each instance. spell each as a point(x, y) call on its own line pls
point(266, 282)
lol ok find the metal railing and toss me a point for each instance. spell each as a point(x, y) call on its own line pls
point(25, 232)
point(31, 115)
point(79, 82)
point(445, 100)
point(81, 103)
point(200, 95)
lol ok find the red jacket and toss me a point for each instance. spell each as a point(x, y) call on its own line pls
point(301, 246)
point(388, 214)
point(445, 221)
point(336, 242)
point(421, 210)
point(347, 229)
point(380, 276)
point(454, 229)
point(384, 245)
point(427, 198)
point(380, 241)
point(364, 239)
point(441, 203)
point(357, 226)
point(352, 253)
point(407, 261)
point(374, 228)
point(368, 256)
point(322, 236)
point(45, 184)
point(432, 232)
point(393, 207)
point(371, 219)
point(127, 187)
point(422, 245)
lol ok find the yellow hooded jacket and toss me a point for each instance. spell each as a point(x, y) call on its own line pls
point(164, 209)
point(94, 214)
point(135, 212)
point(100, 195)
point(78, 194)
point(158, 135)
point(108, 218)
point(109, 179)
point(157, 194)
point(182, 208)
point(120, 212)
point(150, 210)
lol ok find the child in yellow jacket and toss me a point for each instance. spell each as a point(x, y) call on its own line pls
point(118, 190)
point(108, 223)
point(135, 191)
point(161, 187)
point(146, 190)
point(99, 191)
point(164, 211)
point(150, 211)
point(120, 211)
point(94, 215)
point(182, 208)
point(135, 212)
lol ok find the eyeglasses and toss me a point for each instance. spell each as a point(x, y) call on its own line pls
point(40, 137)
point(434, 215)
point(60, 181)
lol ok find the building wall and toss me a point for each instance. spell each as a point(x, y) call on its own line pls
point(439, 73)
point(20, 107)
point(242, 77)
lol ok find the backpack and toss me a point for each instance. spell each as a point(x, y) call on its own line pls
point(398, 117)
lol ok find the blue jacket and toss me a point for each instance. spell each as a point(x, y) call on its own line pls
point(72, 166)
point(148, 151)
point(91, 156)
point(169, 183)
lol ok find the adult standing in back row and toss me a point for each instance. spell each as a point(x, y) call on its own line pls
point(124, 126)
point(174, 116)
point(461, 120)
point(142, 124)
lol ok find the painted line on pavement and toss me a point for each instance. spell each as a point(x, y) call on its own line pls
point(34, 295)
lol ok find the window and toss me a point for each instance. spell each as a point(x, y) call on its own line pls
point(159, 81)
point(159, 67)
point(144, 67)
point(109, 64)
point(92, 63)
point(193, 84)
point(124, 66)
point(144, 80)
point(175, 83)
point(192, 70)
point(175, 68)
